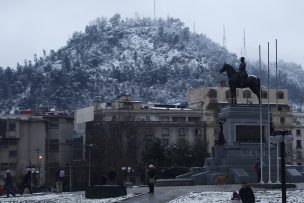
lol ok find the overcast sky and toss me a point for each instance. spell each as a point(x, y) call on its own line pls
point(29, 26)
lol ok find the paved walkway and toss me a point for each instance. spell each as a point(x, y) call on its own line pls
point(165, 194)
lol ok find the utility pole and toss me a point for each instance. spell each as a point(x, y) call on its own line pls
point(224, 37)
point(245, 52)
point(90, 146)
point(70, 168)
point(154, 10)
point(38, 164)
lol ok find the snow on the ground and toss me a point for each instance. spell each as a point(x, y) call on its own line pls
point(66, 197)
point(270, 196)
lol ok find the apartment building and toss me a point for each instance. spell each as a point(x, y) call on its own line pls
point(41, 142)
point(169, 123)
point(297, 132)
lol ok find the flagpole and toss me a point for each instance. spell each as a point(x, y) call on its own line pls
point(261, 123)
point(277, 107)
point(268, 125)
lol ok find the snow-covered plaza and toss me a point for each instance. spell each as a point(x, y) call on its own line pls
point(181, 194)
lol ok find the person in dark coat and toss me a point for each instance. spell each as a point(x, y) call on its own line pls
point(242, 71)
point(246, 193)
point(9, 184)
point(257, 168)
point(59, 180)
point(27, 182)
point(151, 178)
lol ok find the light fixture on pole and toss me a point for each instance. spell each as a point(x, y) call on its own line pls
point(90, 147)
point(281, 137)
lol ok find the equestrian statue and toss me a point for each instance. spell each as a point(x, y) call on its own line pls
point(240, 79)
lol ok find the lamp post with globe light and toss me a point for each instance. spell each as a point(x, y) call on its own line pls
point(281, 137)
point(90, 146)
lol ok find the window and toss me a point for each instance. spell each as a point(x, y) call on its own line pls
point(12, 154)
point(194, 119)
point(264, 94)
point(127, 106)
point(197, 132)
point(212, 93)
point(165, 131)
point(149, 133)
point(3, 166)
point(227, 94)
point(181, 131)
point(165, 142)
point(164, 118)
point(54, 123)
point(299, 144)
point(12, 166)
point(280, 95)
point(299, 155)
point(77, 146)
point(11, 125)
point(197, 140)
point(182, 141)
point(12, 141)
point(54, 145)
point(247, 94)
point(298, 132)
point(3, 128)
point(179, 119)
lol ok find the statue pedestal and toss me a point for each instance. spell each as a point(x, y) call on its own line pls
point(241, 124)
point(241, 129)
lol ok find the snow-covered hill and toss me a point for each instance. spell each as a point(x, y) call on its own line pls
point(152, 60)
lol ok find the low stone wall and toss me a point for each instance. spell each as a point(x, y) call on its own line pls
point(174, 182)
point(105, 191)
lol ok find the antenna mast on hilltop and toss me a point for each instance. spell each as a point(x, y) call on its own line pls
point(193, 27)
point(224, 37)
point(244, 51)
point(154, 10)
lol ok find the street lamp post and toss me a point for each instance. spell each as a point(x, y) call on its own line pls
point(282, 137)
point(38, 171)
point(90, 146)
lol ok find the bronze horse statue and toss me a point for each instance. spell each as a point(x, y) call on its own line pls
point(253, 82)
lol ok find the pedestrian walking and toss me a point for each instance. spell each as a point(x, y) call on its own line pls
point(257, 168)
point(27, 182)
point(59, 180)
point(246, 193)
point(9, 184)
point(151, 178)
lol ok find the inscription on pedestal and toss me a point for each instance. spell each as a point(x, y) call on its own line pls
point(249, 134)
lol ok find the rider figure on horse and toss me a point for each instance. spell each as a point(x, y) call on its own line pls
point(242, 72)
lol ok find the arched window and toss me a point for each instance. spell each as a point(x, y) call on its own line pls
point(247, 94)
point(264, 94)
point(298, 132)
point(212, 93)
point(280, 95)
